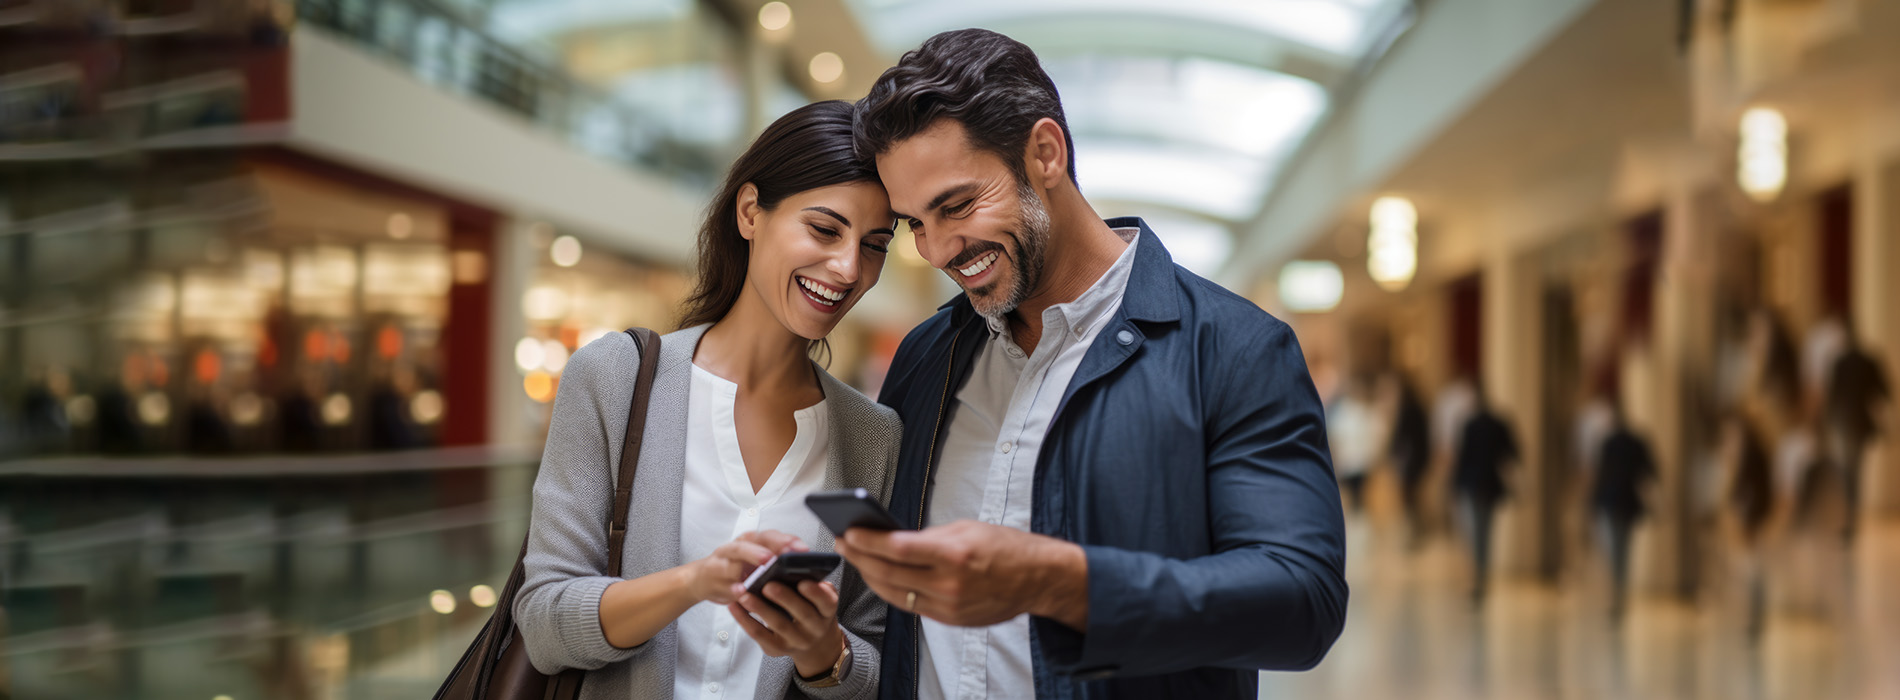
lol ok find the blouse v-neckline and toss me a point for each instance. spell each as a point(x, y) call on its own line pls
point(811, 421)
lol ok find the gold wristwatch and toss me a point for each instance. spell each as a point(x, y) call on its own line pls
point(836, 676)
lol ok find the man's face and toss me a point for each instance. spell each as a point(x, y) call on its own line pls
point(972, 216)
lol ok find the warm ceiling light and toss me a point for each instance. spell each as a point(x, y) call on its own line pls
point(827, 67)
point(1392, 247)
point(400, 226)
point(566, 251)
point(442, 601)
point(775, 16)
point(426, 407)
point(1311, 286)
point(482, 596)
point(539, 386)
point(529, 354)
point(1762, 160)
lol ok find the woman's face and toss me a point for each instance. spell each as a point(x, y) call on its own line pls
point(817, 253)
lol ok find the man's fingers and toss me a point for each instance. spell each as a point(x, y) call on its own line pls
point(914, 547)
point(891, 574)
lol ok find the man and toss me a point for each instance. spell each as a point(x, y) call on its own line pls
point(1486, 449)
point(1118, 470)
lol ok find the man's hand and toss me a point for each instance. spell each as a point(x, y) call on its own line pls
point(972, 574)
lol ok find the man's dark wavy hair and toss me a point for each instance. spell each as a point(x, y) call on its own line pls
point(991, 84)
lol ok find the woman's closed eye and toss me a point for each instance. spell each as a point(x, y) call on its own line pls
point(881, 244)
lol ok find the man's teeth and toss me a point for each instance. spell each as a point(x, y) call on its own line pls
point(977, 268)
point(825, 294)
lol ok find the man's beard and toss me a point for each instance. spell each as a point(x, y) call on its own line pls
point(1028, 248)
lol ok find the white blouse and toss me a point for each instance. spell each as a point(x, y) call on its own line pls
point(715, 659)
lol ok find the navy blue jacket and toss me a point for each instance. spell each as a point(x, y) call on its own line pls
point(1188, 457)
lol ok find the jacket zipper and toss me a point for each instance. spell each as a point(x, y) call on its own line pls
point(923, 495)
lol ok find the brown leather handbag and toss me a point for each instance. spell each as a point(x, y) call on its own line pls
point(496, 666)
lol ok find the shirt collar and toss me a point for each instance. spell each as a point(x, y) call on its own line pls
point(1095, 304)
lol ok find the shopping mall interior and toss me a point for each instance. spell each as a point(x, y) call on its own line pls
point(287, 288)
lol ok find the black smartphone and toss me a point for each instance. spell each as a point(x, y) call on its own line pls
point(790, 568)
point(843, 510)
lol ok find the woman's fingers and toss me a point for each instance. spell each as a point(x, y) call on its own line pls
point(791, 636)
point(768, 640)
point(749, 553)
point(774, 540)
point(822, 596)
point(802, 612)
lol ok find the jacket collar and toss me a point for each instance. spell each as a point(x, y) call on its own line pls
point(1152, 294)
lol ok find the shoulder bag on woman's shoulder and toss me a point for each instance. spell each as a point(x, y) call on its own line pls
point(496, 666)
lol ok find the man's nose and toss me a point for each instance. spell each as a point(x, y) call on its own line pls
point(935, 249)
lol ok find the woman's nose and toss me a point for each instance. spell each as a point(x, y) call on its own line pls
point(844, 264)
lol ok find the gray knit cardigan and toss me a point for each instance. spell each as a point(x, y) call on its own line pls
point(558, 608)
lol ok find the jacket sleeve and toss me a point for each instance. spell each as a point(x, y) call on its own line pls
point(1272, 595)
point(558, 606)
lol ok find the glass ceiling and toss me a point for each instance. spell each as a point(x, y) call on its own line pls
point(1181, 109)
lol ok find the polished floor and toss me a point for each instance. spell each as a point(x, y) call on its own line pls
point(1413, 632)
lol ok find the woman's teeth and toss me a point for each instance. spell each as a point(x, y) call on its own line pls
point(821, 293)
point(977, 268)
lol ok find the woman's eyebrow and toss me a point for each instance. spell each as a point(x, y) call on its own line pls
point(827, 211)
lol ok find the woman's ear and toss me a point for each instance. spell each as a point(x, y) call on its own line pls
point(749, 211)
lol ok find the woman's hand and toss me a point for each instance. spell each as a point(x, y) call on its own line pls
point(807, 631)
point(717, 578)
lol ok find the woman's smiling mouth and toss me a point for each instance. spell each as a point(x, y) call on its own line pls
point(824, 296)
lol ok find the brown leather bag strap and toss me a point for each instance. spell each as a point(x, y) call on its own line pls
point(649, 344)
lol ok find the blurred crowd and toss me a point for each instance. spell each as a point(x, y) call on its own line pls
point(1773, 503)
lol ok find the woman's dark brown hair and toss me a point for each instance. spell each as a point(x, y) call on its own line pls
point(808, 148)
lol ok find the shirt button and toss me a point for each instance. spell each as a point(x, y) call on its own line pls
point(1124, 337)
point(1013, 352)
point(1007, 446)
point(723, 636)
point(712, 687)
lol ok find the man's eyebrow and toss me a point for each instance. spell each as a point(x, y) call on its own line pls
point(827, 211)
point(945, 196)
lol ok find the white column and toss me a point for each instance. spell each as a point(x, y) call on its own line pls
point(1876, 314)
point(511, 427)
point(1513, 351)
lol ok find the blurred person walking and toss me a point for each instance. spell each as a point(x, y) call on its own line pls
point(1746, 516)
point(1411, 453)
point(1486, 449)
point(1355, 430)
point(743, 425)
point(1625, 474)
point(1851, 404)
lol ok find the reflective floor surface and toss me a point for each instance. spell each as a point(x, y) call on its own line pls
point(1413, 632)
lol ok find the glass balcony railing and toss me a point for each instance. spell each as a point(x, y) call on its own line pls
point(443, 47)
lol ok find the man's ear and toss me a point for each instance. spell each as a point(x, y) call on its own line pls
point(1046, 154)
point(748, 210)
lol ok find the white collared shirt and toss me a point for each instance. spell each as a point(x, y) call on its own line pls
point(987, 472)
point(715, 659)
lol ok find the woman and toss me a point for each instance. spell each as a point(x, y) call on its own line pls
point(742, 425)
